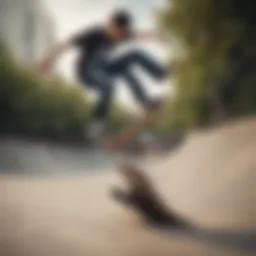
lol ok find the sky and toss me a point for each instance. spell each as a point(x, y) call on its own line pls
point(70, 16)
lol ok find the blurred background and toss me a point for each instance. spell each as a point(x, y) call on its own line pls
point(201, 151)
point(211, 54)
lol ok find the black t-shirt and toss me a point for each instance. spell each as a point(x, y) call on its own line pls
point(92, 43)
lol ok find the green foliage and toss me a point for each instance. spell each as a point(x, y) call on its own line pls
point(40, 107)
point(44, 107)
point(214, 36)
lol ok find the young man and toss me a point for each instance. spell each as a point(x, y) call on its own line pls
point(98, 71)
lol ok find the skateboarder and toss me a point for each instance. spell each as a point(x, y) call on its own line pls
point(97, 69)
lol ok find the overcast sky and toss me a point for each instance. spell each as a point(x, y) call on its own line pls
point(71, 16)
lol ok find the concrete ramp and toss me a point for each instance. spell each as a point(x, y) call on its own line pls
point(211, 178)
point(209, 181)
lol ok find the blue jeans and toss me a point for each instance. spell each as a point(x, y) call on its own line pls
point(100, 74)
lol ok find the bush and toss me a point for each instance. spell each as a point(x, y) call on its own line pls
point(44, 107)
point(216, 59)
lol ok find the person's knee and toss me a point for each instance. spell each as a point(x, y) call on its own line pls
point(137, 55)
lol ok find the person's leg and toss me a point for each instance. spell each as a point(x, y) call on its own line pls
point(122, 67)
point(153, 68)
point(136, 88)
point(98, 78)
point(102, 108)
point(101, 81)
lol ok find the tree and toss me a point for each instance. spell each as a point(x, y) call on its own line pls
point(216, 61)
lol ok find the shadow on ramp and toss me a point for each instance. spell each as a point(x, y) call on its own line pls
point(142, 197)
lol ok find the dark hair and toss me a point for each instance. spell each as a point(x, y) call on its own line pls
point(122, 19)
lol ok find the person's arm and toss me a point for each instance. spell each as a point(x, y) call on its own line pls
point(46, 64)
point(77, 40)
